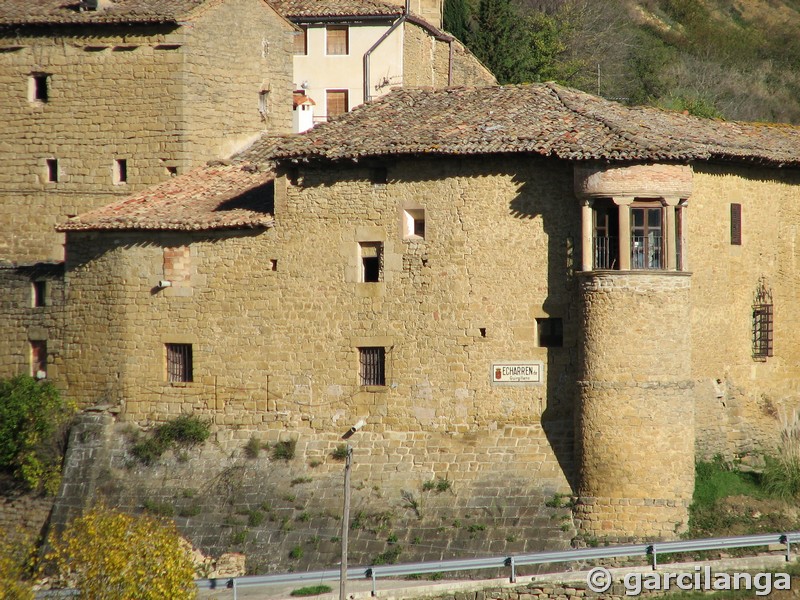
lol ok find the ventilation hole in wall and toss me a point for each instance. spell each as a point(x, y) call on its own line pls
point(94, 48)
point(172, 171)
point(167, 46)
point(483, 331)
point(124, 48)
point(424, 262)
point(273, 264)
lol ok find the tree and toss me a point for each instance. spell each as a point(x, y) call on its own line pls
point(456, 19)
point(33, 421)
point(110, 555)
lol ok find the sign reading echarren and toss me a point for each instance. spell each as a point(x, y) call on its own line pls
point(516, 371)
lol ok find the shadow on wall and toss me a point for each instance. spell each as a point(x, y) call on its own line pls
point(559, 212)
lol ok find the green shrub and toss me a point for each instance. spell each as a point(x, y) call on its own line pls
point(296, 553)
point(340, 452)
point(389, 557)
point(252, 448)
point(255, 518)
point(284, 450)
point(161, 509)
point(312, 590)
point(186, 430)
point(33, 425)
point(440, 484)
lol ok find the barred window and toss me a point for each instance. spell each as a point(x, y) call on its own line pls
point(762, 323)
point(372, 363)
point(179, 362)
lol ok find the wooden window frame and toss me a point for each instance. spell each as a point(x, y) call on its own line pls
point(736, 224)
point(300, 41)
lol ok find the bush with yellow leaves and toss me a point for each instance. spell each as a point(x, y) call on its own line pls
point(16, 556)
point(110, 555)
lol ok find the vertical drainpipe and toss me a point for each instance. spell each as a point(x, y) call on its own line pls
point(368, 53)
point(450, 64)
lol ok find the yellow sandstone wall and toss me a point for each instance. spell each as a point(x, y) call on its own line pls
point(739, 399)
point(426, 62)
point(160, 97)
point(275, 351)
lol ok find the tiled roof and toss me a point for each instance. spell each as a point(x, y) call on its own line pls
point(213, 197)
point(302, 9)
point(51, 12)
point(545, 119)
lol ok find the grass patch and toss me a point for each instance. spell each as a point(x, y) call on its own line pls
point(253, 448)
point(439, 485)
point(311, 590)
point(296, 553)
point(284, 450)
point(162, 509)
point(300, 480)
point(340, 452)
point(389, 557)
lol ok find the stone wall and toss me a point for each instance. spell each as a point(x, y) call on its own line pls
point(23, 322)
point(276, 317)
point(426, 62)
point(635, 429)
point(163, 98)
point(285, 514)
point(739, 400)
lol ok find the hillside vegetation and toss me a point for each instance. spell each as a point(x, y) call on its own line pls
point(733, 59)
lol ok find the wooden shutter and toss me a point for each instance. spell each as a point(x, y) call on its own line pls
point(301, 41)
point(337, 102)
point(736, 224)
point(336, 42)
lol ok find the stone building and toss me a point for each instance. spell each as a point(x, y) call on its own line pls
point(562, 296)
point(104, 99)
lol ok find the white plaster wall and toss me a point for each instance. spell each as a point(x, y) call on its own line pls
point(323, 72)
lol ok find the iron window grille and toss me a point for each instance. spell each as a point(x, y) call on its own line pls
point(179, 363)
point(762, 322)
point(372, 366)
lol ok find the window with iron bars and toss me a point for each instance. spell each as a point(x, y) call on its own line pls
point(179, 363)
point(372, 366)
point(762, 323)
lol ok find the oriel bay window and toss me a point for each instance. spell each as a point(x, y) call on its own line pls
point(633, 234)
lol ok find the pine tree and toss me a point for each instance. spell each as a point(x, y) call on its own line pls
point(456, 19)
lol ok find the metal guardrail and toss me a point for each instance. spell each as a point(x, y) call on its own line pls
point(650, 550)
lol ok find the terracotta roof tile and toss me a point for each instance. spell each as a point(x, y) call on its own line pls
point(545, 119)
point(51, 12)
point(213, 197)
point(301, 9)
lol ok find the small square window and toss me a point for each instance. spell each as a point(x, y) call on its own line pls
point(372, 366)
point(39, 359)
point(120, 171)
point(38, 294)
point(371, 254)
point(414, 223)
point(52, 170)
point(336, 102)
point(336, 40)
point(179, 362)
point(39, 87)
point(550, 333)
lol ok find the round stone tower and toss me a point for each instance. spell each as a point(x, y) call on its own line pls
point(635, 428)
